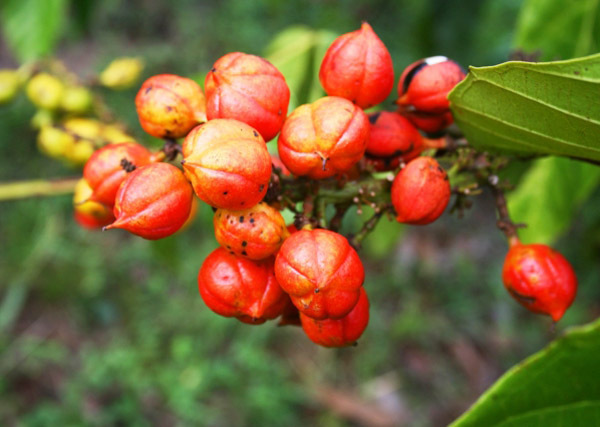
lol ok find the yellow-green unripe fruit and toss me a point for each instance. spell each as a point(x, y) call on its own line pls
point(76, 99)
point(45, 91)
point(9, 85)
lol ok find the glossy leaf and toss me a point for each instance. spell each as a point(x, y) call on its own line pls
point(32, 27)
point(557, 386)
point(548, 196)
point(529, 108)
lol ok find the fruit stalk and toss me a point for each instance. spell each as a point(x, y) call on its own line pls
point(36, 188)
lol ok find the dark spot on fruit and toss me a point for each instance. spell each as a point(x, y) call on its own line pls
point(169, 108)
point(440, 169)
point(214, 209)
point(232, 253)
point(411, 74)
point(279, 113)
point(244, 243)
point(228, 247)
point(213, 70)
point(241, 218)
point(243, 203)
point(261, 188)
point(316, 290)
point(244, 253)
point(255, 133)
point(251, 220)
point(373, 118)
point(227, 217)
point(225, 193)
point(148, 89)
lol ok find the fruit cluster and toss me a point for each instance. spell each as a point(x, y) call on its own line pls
point(69, 130)
point(330, 152)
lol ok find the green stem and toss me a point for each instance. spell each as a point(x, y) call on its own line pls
point(36, 188)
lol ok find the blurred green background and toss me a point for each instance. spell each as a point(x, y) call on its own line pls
point(109, 329)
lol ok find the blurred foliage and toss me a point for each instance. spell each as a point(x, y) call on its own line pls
point(106, 328)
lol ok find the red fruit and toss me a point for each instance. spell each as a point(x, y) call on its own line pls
point(169, 106)
point(92, 222)
point(250, 89)
point(104, 171)
point(420, 191)
point(254, 233)
point(392, 137)
point(324, 138)
point(430, 123)
point(339, 332)
point(540, 279)
point(290, 315)
point(321, 272)
point(227, 163)
point(154, 201)
point(358, 67)
point(237, 287)
point(425, 84)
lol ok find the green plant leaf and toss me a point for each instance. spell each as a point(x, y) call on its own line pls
point(528, 108)
point(559, 383)
point(297, 52)
point(548, 196)
point(543, 24)
point(32, 27)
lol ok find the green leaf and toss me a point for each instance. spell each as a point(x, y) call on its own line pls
point(543, 108)
point(32, 27)
point(543, 25)
point(556, 386)
point(297, 52)
point(548, 196)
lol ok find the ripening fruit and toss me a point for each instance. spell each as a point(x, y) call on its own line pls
point(227, 163)
point(250, 89)
point(392, 138)
point(238, 287)
point(321, 272)
point(154, 201)
point(254, 233)
point(539, 278)
point(339, 332)
point(76, 99)
point(358, 67)
point(121, 73)
point(89, 214)
point(324, 138)
point(169, 106)
point(45, 91)
point(83, 128)
point(104, 170)
point(420, 191)
point(425, 84)
point(9, 85)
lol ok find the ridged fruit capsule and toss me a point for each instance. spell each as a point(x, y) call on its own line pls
point(339, 332)
point(358, 67)
point(250, 89)
point(324, 138)
point(154, 201)
point(420, 191)
point(104, 171)
point(169, 106)
point(539, 278)
point(321, 272)
point(238, 287)
point(425, 84)
point(227, 163)
point(254, 233)
point(392, 138)
point(89, 214)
